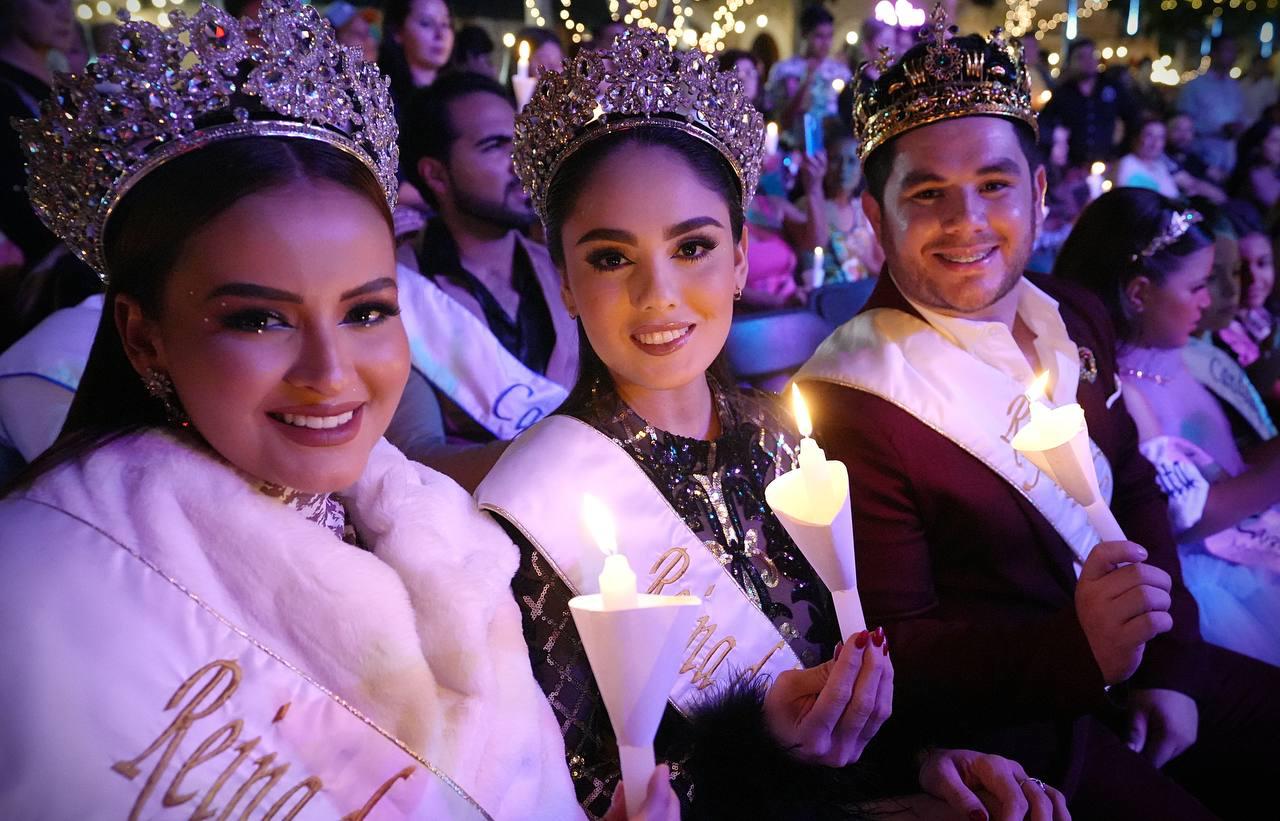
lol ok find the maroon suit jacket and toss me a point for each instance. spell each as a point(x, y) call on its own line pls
point(972, 584)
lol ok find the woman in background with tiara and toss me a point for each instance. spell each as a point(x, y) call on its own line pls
point(220, 590)
point(643, 202)
point(1150, 263)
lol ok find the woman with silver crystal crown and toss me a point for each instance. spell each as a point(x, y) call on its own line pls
point(221, 593)
point(637, 159)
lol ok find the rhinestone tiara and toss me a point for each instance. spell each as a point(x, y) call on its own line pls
point(1180, 222)
point(941, 78)
point(641, 81)
point(155, 94)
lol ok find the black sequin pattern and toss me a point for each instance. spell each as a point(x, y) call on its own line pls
point(717, 487)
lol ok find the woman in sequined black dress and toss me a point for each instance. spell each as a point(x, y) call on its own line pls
point(652, 272)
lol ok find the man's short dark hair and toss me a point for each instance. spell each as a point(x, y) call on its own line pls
point(426, 126)
point(878, 165)
point(1077, 44)
point(469, 41)
point(812, 17)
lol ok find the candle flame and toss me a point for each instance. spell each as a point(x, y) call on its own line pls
point(1037, 389)
point(801, 411)
point(524, 49)
point(1098, 169)
point(598, 519)
point(771, 128)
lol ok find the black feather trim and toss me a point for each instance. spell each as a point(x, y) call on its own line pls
point(739, 770)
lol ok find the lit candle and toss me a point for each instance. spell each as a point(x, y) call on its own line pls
point(617, 579)
point(771, 139)
point(1057, 442)
point(522, 65)
point(818, 273)
point(837, 85)
point(812, 503)
point(813, 461)
point(1095, 180)
point(522, 84)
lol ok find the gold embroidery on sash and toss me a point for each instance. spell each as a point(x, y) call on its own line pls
point(668, 568)
point(754, 670)
point(704, 668)
point(217, 681)
point(360, 814)
point(1019, 412)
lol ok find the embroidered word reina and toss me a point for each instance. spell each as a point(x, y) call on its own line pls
point(197, 698)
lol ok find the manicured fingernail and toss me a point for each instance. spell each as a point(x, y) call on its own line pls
point(877, 638)
point(977, 815)
point(860, 640)
point(839, 647)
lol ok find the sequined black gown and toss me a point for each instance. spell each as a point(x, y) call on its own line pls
point(717, 487)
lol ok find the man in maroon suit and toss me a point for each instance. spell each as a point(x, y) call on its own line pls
point(1015, 628)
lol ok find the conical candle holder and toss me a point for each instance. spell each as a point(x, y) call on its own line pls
point(1057, 441)
point(821, 525)
point(635, 653)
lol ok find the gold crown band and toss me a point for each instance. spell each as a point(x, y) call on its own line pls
point(942, 78)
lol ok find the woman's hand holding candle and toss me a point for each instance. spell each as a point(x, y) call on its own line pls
point(827, 714)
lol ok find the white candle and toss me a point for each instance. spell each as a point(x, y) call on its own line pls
point(771, 139)
point(522, 65)
point(1057, 440)
point(813, 461)
point(818, 273)
point(617, 579)
point(1095, 181)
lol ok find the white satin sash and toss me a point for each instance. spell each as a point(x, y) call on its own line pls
point(168, 710)
point(460, 356)
point(1220, 373)
point(905, 361)
point(538, 485)
point(58, 348)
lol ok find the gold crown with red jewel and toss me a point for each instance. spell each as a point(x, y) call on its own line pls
point(942, 77)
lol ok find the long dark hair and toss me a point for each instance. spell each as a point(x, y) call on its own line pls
point(391, 58)
point(1249, 155)
point(144, 239)
point(706, 163)
point(1104, 250)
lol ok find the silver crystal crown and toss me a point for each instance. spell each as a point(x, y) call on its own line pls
point(155, 94)
point(640, 81)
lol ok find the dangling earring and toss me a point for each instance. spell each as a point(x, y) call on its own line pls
point(737, 294)
point(160, 387)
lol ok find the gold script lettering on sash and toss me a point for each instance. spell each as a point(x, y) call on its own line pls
point(214, 684)
point(704, 668)
point(263, 772)
point(360, 814)
point(1019, 412)
point(225, 673)
point(754, 670)
point(212, 747)
point(668, 569)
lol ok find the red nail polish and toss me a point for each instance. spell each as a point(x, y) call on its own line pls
point(860, 640)
point(977, 815)
point(877, 638)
